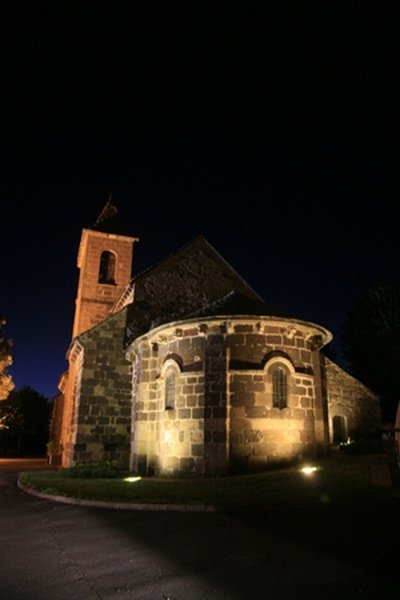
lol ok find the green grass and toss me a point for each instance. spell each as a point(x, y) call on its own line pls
point(339, 479)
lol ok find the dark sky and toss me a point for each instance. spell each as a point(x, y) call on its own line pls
point(269, 127)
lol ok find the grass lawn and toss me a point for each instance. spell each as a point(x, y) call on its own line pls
point(339, 479)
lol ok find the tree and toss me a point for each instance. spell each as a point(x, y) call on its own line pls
point(371, 343)
point(25, 415)
point(6, 383)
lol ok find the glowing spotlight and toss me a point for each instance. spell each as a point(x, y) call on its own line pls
point(309, 470)
point(132, 479)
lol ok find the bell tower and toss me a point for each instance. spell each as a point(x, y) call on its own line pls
point(105, 260)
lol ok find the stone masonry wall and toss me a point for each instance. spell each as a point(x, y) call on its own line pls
point(71, 392)
point(349, 398)
point(169, 441)
point(103, 413)
point(261, 434)
point(223, 418)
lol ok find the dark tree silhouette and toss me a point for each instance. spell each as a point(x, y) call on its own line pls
point(25, 417)
point(371, 343)
point(6, 383)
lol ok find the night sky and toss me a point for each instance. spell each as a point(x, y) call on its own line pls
point(271, 128)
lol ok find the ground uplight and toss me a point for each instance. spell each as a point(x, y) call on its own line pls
point(309, 470)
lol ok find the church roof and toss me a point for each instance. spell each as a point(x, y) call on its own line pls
point(192, 280)
point(109, 220)
point(236, 304)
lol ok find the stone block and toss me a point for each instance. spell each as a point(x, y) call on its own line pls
point(238, 424)
point(184, 413)
point(213, 399)
point(171, 463)
point(215, 339)
point(243, 328)
point(299, 413)
point(197, 413)
point(219, 437)
point(256, 412)
point(196, 436)
point(197, 449)
point(186, 464)
point(216, 364)
point(236, 339)
point(299, 390)
point(219, 412)
point(191, 401)
point(246, 399)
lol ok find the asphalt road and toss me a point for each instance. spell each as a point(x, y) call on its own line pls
point(53, 551)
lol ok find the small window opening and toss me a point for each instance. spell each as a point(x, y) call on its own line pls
point(279, 387)
point(170, 389)
point(107, 268)
point(339, 429)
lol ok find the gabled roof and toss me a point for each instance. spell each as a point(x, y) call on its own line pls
point(185, 282)
point(109, 220)
point(236, 304)
point(198, 247)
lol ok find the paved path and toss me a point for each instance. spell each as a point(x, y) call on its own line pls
point(53, 551)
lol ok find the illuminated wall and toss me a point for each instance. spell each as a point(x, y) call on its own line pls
point(98, 396)
point(70, 386)
point(223, 417)
point(99, 288)
point(348, 399)
point(167, 439)
point(202, 396)
point(206, 396)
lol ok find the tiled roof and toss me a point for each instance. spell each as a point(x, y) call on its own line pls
point(196, 280)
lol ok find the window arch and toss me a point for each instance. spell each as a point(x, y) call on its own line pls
point(171, 372)
point(108, 262)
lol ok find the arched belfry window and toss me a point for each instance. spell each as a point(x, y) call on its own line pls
point(171, 376)
point(108, 263)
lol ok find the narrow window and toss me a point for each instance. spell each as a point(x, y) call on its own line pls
point(107, 268)
point(339, 429)
point(170, 389)
point(279, 387)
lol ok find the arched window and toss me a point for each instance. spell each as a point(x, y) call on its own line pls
point(170, 388)
point(170, 373)
point(339, 429)
point(279, 386)
point(107, 267)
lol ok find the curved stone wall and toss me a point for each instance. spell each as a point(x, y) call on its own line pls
point(224, 418)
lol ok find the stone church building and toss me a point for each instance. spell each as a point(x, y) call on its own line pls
point(185, 370)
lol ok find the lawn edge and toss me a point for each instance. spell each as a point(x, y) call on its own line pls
point(116, 505)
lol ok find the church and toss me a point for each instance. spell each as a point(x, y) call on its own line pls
point(183, 370)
